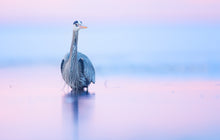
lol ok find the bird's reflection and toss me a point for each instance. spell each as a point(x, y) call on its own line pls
point(76, 108)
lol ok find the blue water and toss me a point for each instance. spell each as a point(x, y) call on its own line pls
point(143, 49)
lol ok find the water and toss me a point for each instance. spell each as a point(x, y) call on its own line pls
point(152, 82)
point(35, 104)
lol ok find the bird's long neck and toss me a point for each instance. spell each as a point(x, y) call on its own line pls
point(74, 74)
point(73, 48)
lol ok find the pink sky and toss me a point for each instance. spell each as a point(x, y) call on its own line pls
point(108, 10)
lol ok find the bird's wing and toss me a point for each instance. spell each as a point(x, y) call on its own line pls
point(64, 60)
point(61, 66)
point(87, 67)
point(81, 65)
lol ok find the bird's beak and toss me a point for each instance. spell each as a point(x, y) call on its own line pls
point(82, 27)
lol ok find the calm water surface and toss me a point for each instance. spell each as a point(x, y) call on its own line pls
point(35, 104)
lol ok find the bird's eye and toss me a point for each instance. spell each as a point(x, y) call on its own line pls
point(77, 24)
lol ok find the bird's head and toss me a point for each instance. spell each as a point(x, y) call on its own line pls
point(77, 25)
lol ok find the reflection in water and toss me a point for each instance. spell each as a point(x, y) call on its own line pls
point(76, 107)
point(158, 108)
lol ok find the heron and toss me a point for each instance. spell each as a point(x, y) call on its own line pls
point(76, 68)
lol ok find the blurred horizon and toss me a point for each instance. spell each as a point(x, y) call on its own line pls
point(160, 37)
point(116, 49)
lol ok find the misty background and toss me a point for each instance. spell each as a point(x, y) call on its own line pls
point(123, 37)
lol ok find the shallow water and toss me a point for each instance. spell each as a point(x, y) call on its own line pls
point(35, 104)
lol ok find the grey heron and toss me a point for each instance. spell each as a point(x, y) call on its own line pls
point(76, 68)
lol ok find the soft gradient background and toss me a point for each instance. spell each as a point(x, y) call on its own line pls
point(146, 35)
point(157, 70)
point(138, 11)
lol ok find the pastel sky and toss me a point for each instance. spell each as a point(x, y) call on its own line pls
point(108, 10)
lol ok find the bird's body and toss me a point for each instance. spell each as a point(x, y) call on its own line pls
point(86, 72)
point(76, 68)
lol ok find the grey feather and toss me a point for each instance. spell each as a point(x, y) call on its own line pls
point(61, 66)
point(86, 70)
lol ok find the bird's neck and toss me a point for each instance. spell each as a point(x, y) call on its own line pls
point(73, 48)
point(73, 60)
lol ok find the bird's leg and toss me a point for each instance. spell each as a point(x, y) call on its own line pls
point(74, 91)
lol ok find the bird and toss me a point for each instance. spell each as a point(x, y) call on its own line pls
point(76, 68)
